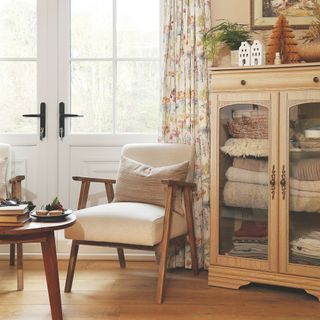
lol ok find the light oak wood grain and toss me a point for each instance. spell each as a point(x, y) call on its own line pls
point(104, 291)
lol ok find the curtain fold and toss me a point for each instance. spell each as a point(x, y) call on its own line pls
point(185, 106)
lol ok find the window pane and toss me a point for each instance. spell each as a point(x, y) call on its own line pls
point(91, 28)
point(137, 97)
point(138, 28)
point(18, 28)
point(91, 95)
point(18, 95)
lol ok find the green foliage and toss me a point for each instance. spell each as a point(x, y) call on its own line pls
point(228, 33)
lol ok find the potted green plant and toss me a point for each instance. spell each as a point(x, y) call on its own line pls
point(225, 34)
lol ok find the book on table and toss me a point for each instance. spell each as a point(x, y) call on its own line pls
point(14, 216)
point(13, 210)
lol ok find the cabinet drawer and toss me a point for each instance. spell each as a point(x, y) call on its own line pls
point(271, 79)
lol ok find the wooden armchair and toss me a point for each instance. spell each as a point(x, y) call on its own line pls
point(13, 191)
point(137, 225)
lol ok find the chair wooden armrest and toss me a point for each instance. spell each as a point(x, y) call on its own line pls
point(85, 185)
point(179, 183)
point(17, 179)
point(16, 186)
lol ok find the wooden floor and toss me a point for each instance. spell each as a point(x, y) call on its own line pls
point(103, 291)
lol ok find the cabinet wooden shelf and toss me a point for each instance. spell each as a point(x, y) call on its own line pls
point(265, 186)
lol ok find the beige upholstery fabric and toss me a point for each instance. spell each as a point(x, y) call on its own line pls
point(161, 154)
point(134, 223)
point(5, 168)
point(124, 222)
point(138, 182)
point(3, 175)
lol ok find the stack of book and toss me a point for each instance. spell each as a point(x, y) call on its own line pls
point(14, 216)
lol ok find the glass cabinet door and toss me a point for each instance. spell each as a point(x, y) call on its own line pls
point(304, 184)
point(244, 181)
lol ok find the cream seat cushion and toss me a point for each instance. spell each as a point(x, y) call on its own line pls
point(124, 222)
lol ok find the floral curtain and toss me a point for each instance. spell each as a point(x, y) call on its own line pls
point(185, 106)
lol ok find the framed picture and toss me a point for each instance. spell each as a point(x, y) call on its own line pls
point(264, 13)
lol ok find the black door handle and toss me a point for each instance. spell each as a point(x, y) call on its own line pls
point(42, 116)
point(62, 116)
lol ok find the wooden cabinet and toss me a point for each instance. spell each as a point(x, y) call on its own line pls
point(265, 176)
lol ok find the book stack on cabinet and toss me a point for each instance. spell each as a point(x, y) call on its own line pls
point(14, 216)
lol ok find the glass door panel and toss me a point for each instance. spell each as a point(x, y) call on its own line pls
point(243, 181)
point(304, 184)
point(18, 65)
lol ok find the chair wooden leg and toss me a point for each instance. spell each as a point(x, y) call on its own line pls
point(190, 226)
point(12, 253)
point(122, 259)
point(19, 267)
point(164, 246)
point(71, 266)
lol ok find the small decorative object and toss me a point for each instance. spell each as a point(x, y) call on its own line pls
point(244, 54)
point(310, 52)
point(277, 59)
point(257, 53)
point(282, 40)
point(225, 34)
point(54, 205)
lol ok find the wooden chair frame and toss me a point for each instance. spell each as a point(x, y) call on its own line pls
point(16, 194)
point(172, 186)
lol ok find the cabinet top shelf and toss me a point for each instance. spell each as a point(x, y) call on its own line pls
point(268, 77)
point(267, 67)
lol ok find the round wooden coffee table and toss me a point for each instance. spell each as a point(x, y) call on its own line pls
point(42, 232)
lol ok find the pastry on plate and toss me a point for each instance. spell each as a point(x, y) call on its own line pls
point(55, 213)
point(42, 212)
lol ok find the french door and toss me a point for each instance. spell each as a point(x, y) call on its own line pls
point(79, 58)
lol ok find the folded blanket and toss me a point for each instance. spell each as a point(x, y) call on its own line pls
point(246, 147)
point(306, 169)
point(247, 176)
point(304, 204)
point(301, 193)
point(245, 195)
point(313, 186)
point(251, 164)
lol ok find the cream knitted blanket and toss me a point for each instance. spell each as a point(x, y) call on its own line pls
point(247, 176)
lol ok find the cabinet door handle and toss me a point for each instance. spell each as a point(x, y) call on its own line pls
point(243, 82)
point(316, 79)
point(283, 182)
point(273, 182)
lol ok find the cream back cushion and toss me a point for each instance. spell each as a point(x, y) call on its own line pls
point(161, 154)
point(139, 182)
point(3, 176)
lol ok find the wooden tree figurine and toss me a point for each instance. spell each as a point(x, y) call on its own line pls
point(282, 40)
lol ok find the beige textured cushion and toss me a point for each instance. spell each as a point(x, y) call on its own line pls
point(124, 222)
point(3, 175)
point(138, 182)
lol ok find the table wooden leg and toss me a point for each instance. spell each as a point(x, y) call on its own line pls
point(19, 267)
point(51, 268)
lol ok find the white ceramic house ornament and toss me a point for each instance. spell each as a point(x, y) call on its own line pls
point(244, 54)
point(257, 53)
